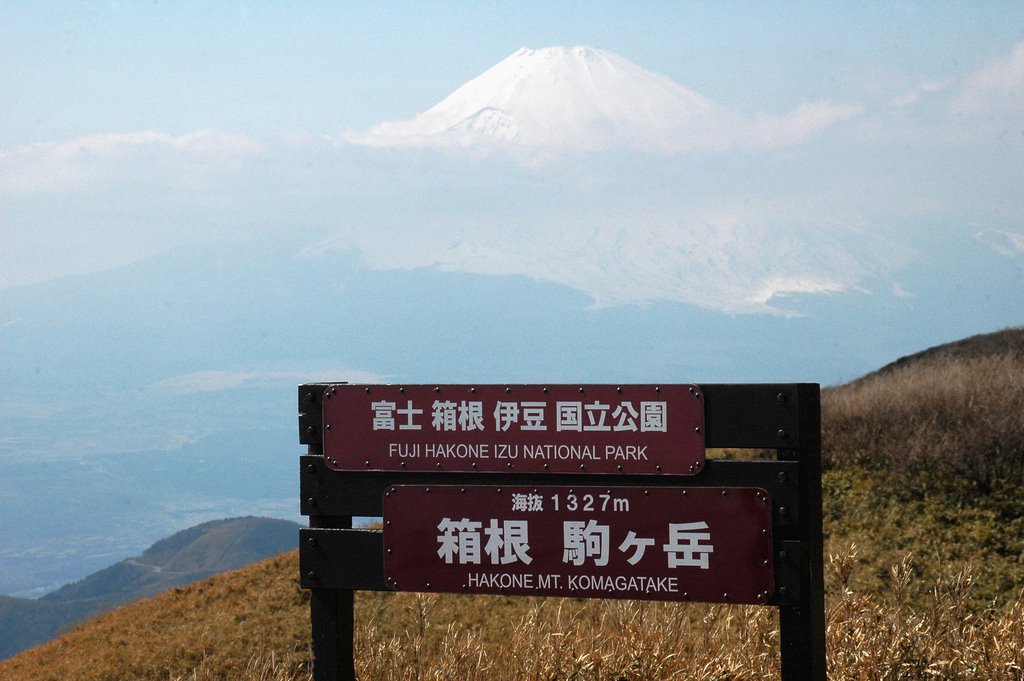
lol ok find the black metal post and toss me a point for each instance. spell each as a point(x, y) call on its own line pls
point(331, 611)
point(332, 619)
point(802, 627)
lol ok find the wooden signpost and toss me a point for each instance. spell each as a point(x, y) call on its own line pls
point(594, 491)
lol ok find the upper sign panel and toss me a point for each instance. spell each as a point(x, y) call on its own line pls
point(626, 429)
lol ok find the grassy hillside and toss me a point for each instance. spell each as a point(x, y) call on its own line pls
point(187, 556)
point(926, 456)
point(193, 553)
point(25, 621)
point(923, 473)
point(217, 623)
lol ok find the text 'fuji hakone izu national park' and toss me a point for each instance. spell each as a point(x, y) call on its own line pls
point(567, 429)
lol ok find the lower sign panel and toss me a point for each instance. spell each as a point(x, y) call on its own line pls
point(658, 543)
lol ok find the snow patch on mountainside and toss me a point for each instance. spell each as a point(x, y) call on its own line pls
point(589, 99)
point(719, 263)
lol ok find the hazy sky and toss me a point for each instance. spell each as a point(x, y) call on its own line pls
point(313, 68)
point(128, 129)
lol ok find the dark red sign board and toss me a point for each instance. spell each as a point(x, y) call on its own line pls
point(628, 429)
point(658, 543)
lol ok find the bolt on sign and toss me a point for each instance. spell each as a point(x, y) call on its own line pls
point(661, 543)
point(628, 429)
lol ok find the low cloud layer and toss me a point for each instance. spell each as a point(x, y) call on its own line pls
point(125, 158)
point(218, 380)
point(997, 87)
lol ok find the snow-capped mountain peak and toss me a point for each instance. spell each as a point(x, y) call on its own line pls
point(587, 98)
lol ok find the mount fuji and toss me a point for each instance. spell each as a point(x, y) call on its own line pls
point(591, 99)
point(662, 194)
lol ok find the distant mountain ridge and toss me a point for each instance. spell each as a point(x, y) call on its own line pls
point(187, 556)
point(1010, 340)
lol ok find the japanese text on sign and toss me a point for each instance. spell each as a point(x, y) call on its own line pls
point(508, 541)
point(556, 429)
point(669, 543)
point(525, 416)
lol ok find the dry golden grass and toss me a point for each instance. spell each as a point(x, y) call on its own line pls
point(958, 419)
point(253, 625)
point(928, 456)
point(872, 638)
point(232, 626)
point(567, 639)
point(868, 638)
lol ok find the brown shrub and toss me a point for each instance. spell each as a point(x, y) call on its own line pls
point(958, 420)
